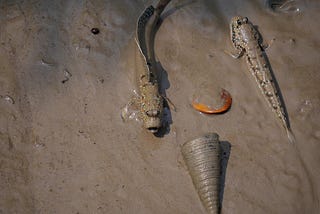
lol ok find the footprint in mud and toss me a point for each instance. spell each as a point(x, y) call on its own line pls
point(8, 99)
point(67, 76)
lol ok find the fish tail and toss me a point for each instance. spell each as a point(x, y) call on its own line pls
point(291, 137)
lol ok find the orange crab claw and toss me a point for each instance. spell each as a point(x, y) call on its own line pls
point(207, 110)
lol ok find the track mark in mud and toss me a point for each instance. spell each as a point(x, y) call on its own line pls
point(67, 76)
point(312, 184)
point(8, 99)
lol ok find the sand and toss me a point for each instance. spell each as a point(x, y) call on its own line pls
point(65, 149)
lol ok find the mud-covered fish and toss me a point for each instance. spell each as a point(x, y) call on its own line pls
point(246, 39)
point(150, 100)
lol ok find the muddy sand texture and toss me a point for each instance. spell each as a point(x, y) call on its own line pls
point(65, 149)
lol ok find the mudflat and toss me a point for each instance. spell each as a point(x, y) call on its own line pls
point(65, 149)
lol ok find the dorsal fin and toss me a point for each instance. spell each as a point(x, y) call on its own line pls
point(141, 28)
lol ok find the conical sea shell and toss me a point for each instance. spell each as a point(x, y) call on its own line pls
point(202, 157)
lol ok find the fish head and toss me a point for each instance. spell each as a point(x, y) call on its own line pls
point(242, 31)
point(237, 21)
point(151, 107)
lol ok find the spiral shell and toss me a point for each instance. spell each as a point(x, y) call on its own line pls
point(202, 157)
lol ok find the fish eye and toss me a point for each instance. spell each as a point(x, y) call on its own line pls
point(239, 22)
point(153, 113)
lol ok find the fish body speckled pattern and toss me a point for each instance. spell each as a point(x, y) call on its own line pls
point(246, 39)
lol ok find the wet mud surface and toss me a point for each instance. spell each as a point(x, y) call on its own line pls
point(65, 149)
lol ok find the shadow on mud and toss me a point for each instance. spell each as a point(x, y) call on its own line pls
point(225, 147)
point(163, 76)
